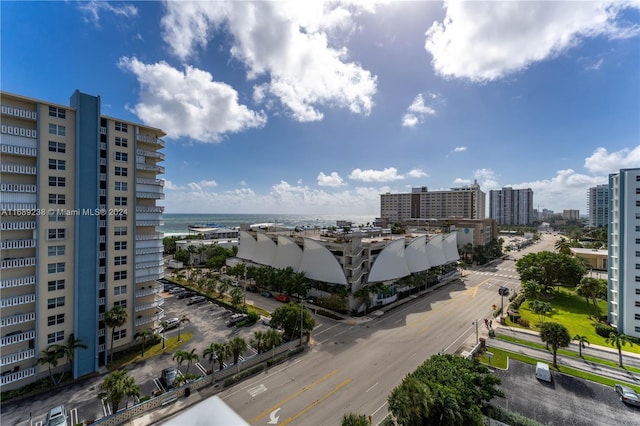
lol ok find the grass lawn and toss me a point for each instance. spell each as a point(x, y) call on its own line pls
point(571, 311)
point(171, 345)
point(500, 354)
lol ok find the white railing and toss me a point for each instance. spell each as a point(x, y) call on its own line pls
point(103, 145)
point(148, 306)
point(19, 131)
point(17, 357)
point(150, 250)
point(152, 154)
point(149, 291)
point(18, 187)
point(17, 319)
point(156, 263)
point(17, 282)
point(17, 244)
point(103, 130)
point(149, 209)
point(150, 277)
point(7, 302)
point(149, 222)
point(154, 236)
point(17, 225)
point(18, 150)
point(148, 319)
point(17, 263)
point(150, 181)
point(156, 195)
point(17, 376)
point(19, 112)
point(19, 169)
point(17, 338)
point(149, 139)
point(150, 167)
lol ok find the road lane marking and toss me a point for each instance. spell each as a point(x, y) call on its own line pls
point(322, 398)
point(425, 328)
point(300, 392)
point(379, 408)
point(265, 377)
point(412, 355)
point(326, 329)
point(474, 292)
point(376, 384)
point(337, 334)
point(257, 390)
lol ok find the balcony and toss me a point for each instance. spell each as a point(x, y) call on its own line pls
point(150, 154)
point(145, 181)
point(17, 282)
point(17, 357)
point(17, 338)
point(21, 225)
point(152, 264)
point(19, 131)
point(17, 319)
point(149, 319)
point(18, 150)
point(19, 207)
point(149, 222)
point(154, 289)
point(150, 139)
point(103, 130)
point(145, 237)
point(7, 302)
point(150, 250)
point(151, 276)
point(17, 244)
point(17, 376)
point(150, 167)
point(21, 262)
point(20, 169)
point(18, 187)
point(148, 306)
point(154, 195)
point(19, 112)
point(149, 209)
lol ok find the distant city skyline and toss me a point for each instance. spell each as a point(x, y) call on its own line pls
point(319, 108)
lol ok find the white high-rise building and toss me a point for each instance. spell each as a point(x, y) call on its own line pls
point(510, 206)
point(598, 205)
point(624, 251)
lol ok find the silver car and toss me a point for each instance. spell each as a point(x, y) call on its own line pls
point(627, 394)
point(57, 416)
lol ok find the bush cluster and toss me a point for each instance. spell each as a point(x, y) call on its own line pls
point(604, 330)
point(523, 322)
point(509, 417)
point(516, 302)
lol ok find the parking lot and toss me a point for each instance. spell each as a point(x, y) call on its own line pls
point(565, 401)
point(206, 322)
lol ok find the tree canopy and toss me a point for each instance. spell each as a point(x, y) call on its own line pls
point(445, 389)
point(555, 335)
point(287, 317)
point(549, 269)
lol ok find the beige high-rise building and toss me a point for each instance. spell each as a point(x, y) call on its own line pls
point(78, 193)
point(467, 202)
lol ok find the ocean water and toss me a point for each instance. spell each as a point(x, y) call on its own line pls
point(178, 223)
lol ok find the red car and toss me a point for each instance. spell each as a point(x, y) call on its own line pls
point(282, 298)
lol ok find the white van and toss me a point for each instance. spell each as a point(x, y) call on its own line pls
point(543, 372)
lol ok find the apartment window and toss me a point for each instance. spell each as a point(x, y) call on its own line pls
point(55, 129)
point(121, 171)
point(57, 147)
point(57, 199)
point(120, 245)
point(56, 218)
point(55, 302)
point(55, 285)
point(121, 201)
point(122, 156)
point(119, 334)
point(58, 336)
point(120, 217)
point(638, 279)
point(637, 316)
point(121, 186)
point(56, 233)
point(123, 142)
point(638, 203)
point(120, 230)
point(57, 164)
point(638, 291)
point(120, 260)
point(120, 289)
point(55, 250)
point(120, 275)
point(121, 303)
point(638, 254)
point(57, 181)
point(122, 127)
point(57, 112)
point(55, 320)
point(637, 303)
point(637, 240)
point(54, 268)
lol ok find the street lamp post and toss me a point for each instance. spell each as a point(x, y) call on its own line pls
point(301, 326)
point(477, 337)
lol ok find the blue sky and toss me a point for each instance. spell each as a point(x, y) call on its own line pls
point(318, 108)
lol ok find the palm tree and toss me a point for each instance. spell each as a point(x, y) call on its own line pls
point(143, 335)
point(563, 246)
point(236, 296)
point(618, 340)
point(183, 318)
point(272, 339)
point(180, 356)
point(69, 349)
point(223, 351)
point(190, 357)
point(116, 387)
point(51, 356)
point(238, 345)
point(223, 286)
point(114, 318)
point(582, 340)
point(258, 341)
point(163, 325)
point(556, 335)
point(210, 354)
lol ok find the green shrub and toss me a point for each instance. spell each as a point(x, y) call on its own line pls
point(244, 374)
point(497, 312)
point(145, 398)
point(327, 314)
point(604, 330)
point(509, 417)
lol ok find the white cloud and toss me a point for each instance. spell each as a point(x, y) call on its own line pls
point(460, 149)
point(461, 181)
point(188, 103)
point(486, 179)
point(387, 175)
point(601, 161)
point(93, 9)
point(168, 185)
point(298, 46)
point(417, 173)
point(594, 66)
point(484, 41)
point(333, 179)
point(417, 111)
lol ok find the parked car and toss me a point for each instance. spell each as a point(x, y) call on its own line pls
point(171, 323)
point(168, 287)
point(169, 376)
point(253, 289)
point(185, 295)
point(56, 416)
point(627, 394)
point(266, 294)
point(236, 318)
point(235, 284)
point(176, 290)
point(282, 298)
point(196, 299)
point(311, 299)
point(543, 372)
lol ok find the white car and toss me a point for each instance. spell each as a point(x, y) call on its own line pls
point(57, 416)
